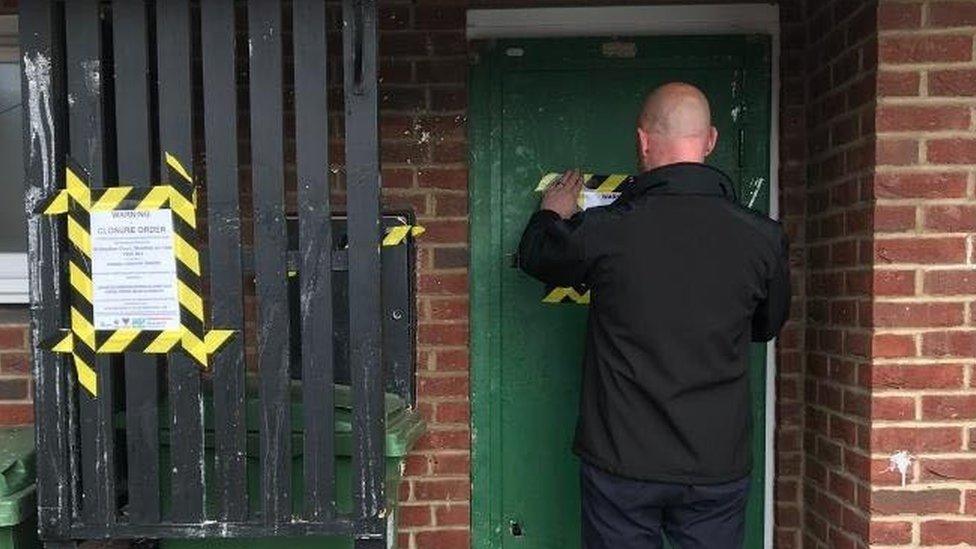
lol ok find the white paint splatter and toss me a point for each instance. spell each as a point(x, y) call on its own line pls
point(93, 75)
point(900, 461)
point(423, 135)
point(757, 185)
point(38, 74)
point(736, 112)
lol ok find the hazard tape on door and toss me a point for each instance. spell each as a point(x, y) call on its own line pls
point(77, 201)
point(598, 190)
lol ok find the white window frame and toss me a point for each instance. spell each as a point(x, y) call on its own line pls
point(671, 19)
point(14, 288)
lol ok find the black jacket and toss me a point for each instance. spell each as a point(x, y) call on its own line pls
point(682, 280)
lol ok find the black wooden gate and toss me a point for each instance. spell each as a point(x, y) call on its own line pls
point(115, 87)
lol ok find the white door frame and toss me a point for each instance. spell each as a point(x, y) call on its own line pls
point(667, 20)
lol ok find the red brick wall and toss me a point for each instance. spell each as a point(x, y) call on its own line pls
point(423, 123)
point(15, 379)
point(841, 66)
point(922, 378)
point(790, 359)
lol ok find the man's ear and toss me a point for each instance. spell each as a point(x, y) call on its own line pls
point(712, 140)
point(643, 143)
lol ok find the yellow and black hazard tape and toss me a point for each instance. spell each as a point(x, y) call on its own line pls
point(592, 182)
point(568, 294)
point(398, 234)
point(77, 200)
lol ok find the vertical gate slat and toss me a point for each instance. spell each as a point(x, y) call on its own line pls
point(363, 182)
point(135, 167)
point(223, 210)
point(43, 93)
point(270, 255)
point(176, 137)
point(315, 245)
point(86, 143)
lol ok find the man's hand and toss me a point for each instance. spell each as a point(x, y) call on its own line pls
point(561, 197)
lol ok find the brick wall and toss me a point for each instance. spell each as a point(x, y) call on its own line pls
point(922, 378)
point(15, 379)
point(841, 66)
point(423, 122)
point(790, 359)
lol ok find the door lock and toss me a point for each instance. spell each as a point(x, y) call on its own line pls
point(516, 528)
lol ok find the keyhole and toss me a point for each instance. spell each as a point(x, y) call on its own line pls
point(516, 528)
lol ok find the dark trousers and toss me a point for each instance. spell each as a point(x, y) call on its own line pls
point(621, 513)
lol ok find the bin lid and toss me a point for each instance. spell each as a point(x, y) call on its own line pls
point(342, 400)
point(17, 459)
point(403, 425)
point(18, 506)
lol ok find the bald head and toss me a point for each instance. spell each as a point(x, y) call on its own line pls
point(675, 126)
point(676, 110)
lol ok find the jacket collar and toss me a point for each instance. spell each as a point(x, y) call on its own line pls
point(683, 178)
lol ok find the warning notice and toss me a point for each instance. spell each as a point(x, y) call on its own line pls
point(134, 270)
point(594, 199)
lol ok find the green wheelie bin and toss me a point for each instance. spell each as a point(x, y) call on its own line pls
point(403, 427)
point(18, 500)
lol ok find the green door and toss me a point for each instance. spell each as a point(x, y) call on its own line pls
point(540, 106)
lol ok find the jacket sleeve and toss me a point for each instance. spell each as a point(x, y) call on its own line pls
point(772, 312)
point(554, 250)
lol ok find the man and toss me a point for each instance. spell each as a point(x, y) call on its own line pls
point(683, 279)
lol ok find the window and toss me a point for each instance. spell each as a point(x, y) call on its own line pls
point(13, 224)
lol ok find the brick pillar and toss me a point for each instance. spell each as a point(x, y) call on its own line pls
point(922, 379)
point(424, 68)
point(841, 73)
point(789, 358)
